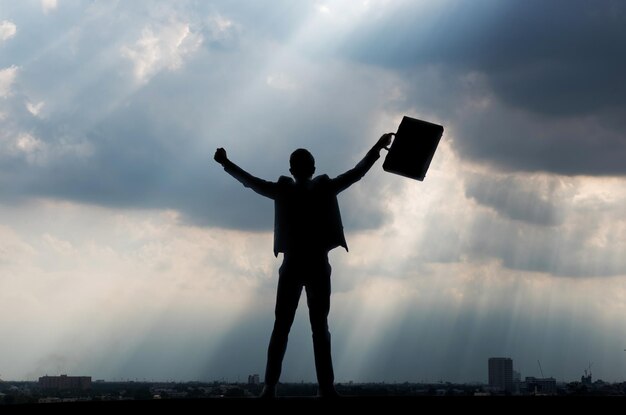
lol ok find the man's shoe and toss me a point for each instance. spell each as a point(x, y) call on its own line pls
point(268, 392)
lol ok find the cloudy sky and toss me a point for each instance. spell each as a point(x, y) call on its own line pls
point(127, 253)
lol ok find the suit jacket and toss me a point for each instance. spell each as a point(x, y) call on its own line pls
point(306, 215)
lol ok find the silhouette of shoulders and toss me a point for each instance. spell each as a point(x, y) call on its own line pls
point(315, 182)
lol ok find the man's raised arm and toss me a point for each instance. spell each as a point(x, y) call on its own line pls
point(262, 187)
point(345, 180)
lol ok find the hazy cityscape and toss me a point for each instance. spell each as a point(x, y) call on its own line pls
point(503, 380)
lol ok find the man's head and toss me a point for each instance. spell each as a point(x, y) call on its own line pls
point(302, 164)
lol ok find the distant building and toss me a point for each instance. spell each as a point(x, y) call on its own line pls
point(540, 386)
point(254, 379)
point(501, 373)
point(517, 382)
point(65, 382)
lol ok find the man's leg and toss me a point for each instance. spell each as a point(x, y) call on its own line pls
point(318, 300)
point(287, 297)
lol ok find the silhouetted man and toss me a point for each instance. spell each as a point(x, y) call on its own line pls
point(307, 225)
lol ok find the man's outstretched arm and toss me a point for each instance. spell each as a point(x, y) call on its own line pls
point(262, 187)
point(345, 180)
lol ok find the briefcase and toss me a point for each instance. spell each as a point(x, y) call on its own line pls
point(413, 148)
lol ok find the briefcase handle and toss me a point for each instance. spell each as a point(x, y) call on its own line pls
point(389, 146)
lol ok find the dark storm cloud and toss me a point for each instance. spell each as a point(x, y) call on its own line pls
point(115, 133)
point(552, 71)
point(517, 198)
point(561, 57)
point(528, 222)
point(569, 250)
point(121, 127)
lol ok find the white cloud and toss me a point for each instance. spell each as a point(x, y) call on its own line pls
point(7, 78)
point(221, 32)
point(148, 269)
point(49, 5)
point(161, 47)
point(35, 109)
point(7, 30)
point(220, 27)
point(26, 143)
point(281, 81)
point(323, 8)
point(57, 245)
point(129, 256)
point(23, 146)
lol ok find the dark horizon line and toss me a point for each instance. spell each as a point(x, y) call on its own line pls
point(238, 382)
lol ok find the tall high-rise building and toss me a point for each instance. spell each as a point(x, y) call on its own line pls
point(501, 373)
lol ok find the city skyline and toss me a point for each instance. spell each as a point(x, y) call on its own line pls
point(125, 252)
